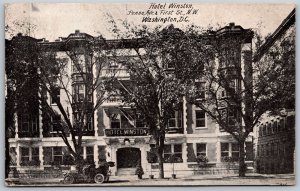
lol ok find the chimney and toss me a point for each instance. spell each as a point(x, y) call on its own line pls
point(231, 25)
point(77, 31)
point(19, 34)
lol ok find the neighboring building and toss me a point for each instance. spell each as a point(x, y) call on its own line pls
point(275, 136)
point(116, 134)
point(275, 144)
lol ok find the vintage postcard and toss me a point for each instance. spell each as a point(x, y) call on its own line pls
point(149, 94)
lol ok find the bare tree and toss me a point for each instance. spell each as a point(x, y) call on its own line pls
point(238, 92)
point(157, 80)
point(76, 82)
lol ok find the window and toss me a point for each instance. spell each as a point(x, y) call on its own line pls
point(258, 150)
point(232, 116)
point(281, 125)
point(267, 150)
point(224, 150)
point(167, 152)
point(34, 124)
point(175, 119)
point(77, 78)
point(139, 122)
point(25, 123)
point(232, 85)
point(260, 131)
point(78, 64)
point(113, 67)
point(235, 151)
point(173, 151)
point(90, 122)
point(263, 130)
point(200, 89)
point(272, 149)
point(275, 127)
point(172, 120)
point(56, 123)
point(28, 124)
point(178, 151)
point(230, 150)
point(200, 119)
point(229, 56)
point(115, 121)
point(275, 149)
point(29, 155)
point(24, 154)
point(90, 154)
point(79, 92)
point(262, 150)
point(223, 115)
point(90, 97)
point(57, 155)
point(201, 149)
point(35, 154)
point(269, 130)
point(55, 97)
point(55, 79)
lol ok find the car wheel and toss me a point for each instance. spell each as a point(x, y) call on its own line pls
point(68, 179)
point(99, 178)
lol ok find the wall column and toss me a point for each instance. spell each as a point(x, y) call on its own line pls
point(16, 125)
point(113, 155)
point(18, 155)
point(184, 153)
point(144, 161)
point(41, 157)
point(96, 155)
point(40, 122)
point(184, 116)
point(218, 151)
point(84, 152)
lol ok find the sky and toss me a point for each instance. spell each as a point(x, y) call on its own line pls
point(59, 20)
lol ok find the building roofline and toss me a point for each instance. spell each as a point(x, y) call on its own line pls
point(62, 43)
point(284, 26)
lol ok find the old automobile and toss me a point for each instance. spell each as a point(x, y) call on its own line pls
point(89, 174)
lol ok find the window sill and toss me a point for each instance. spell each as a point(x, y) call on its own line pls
point(200, 128)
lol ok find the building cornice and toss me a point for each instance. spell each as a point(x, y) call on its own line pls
point(282, 28)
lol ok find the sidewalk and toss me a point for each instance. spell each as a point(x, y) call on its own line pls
point(193, 180)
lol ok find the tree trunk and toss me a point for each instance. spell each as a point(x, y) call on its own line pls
point(160, 158)
point(79, 164)
point(160, 165)
point(242, 164)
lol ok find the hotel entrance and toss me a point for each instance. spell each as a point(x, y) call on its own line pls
point(128, 157)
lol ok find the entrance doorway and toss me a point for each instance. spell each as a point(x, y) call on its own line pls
point(128, 157)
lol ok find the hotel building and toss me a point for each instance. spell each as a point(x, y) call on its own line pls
point(113, 133)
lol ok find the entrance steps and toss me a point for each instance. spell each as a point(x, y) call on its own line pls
point(126, 172)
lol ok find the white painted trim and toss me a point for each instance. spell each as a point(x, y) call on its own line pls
point(195, 118)
point(195, 147)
